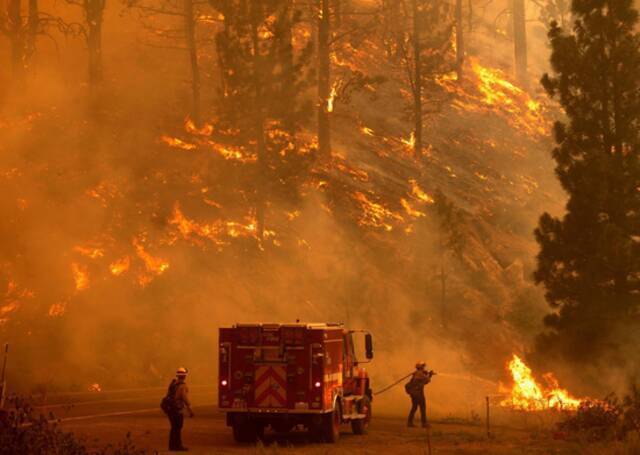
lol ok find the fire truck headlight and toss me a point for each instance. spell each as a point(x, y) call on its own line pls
point(318, 384)
point(223, 383)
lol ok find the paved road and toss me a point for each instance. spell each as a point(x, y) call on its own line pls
point(108, 417)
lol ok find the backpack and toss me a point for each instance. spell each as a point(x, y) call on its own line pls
point(168, 403)
point(409, 387)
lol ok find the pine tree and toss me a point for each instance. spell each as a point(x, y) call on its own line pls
point(589, 261)
point(258, 65)
point(421, 35)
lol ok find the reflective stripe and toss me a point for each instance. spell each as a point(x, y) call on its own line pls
point(337, 377)
point(270, 386)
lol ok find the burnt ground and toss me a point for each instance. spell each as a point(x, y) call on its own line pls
point(207, 433)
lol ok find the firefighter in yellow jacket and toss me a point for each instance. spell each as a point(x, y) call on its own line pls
point(180, 403)
point(415, 389)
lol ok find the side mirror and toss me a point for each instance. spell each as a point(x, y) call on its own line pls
point(368, 345)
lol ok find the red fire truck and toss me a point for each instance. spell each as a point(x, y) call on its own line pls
point(290, 375)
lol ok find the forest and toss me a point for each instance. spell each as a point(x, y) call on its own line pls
point(459, 177)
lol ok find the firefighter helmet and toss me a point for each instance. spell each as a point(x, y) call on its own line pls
point(420, 365)
point(182, 371)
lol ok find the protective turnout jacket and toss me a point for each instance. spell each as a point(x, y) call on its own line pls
point(182, 397)
point(419, 379)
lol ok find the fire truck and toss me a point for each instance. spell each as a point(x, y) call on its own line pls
point(287, 376)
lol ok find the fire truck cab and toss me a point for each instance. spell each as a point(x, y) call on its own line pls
point(290, 375)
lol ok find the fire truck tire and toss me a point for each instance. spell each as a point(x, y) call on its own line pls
point(247, 432)
point(331, 425)
point(361, 426)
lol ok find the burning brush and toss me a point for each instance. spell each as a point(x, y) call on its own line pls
point(528, 395)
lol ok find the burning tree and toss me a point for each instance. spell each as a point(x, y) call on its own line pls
point(93, 11)
point(422, 42)
point(589, 260)
point(258, 64)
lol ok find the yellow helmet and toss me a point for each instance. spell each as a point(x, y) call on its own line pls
point(420, 365)
point(182, 371)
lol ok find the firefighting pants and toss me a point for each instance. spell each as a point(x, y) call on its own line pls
point(418, 402)
point(175, 435)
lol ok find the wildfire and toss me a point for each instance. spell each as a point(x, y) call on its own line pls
point(527, 394)
point(177, 143)
point(57, 309)
point(215, 231)
point(417, 192)
point(375, 214)
point(411, 142)
point(119, 266)
point(190, 127)
point(153, 264)
point(80, 276)
point(366, 130)
point(95, 388)
point(90, 252)
point(410, 210)
point(332, 97)
point(490, 89)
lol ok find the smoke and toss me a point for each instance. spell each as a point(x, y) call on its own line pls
point(100, 188)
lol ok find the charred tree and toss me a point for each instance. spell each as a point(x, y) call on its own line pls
point(258, 64)
point(286, 63)
point(192, 49)
point(459, 39)
point(33, 25)
point(424, 42)
point(15, 33)
point(258, 81)
point(324, 79)
point(183, 37)
point(520, 41)
point(589, 260)
point(417, 78)
point(94, 13)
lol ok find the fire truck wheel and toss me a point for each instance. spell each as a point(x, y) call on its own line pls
point(247, 432)
point(331, 425)
point(360, 426)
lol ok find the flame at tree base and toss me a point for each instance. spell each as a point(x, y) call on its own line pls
point(528, 395)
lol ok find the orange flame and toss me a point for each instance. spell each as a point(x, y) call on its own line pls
point(80, 276)
point(332, 97)
point(95, 388)
point(177, 143)
point(153, 264)
point(57, 309)
point(528, 395)
point(119, 266)
point(417, 192)
point(375, 214)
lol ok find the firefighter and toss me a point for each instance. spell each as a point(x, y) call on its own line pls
point(415, 389)
point(180, 403)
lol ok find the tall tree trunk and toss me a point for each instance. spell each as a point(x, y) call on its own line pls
point(417, 82)
point(190, 36)
point(16, 36)
point(33, 25)
point(470, 15)
point(94, 10)
point(256, 9)
point(338, 6)
point(324, 75)
point(520, 41)
point(285, 60)
point(459, 39)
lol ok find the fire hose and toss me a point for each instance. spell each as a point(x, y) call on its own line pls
point(390, 386)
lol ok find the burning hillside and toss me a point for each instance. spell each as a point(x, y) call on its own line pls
point(138, 225)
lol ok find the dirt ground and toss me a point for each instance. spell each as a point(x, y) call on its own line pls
point(102, 423)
